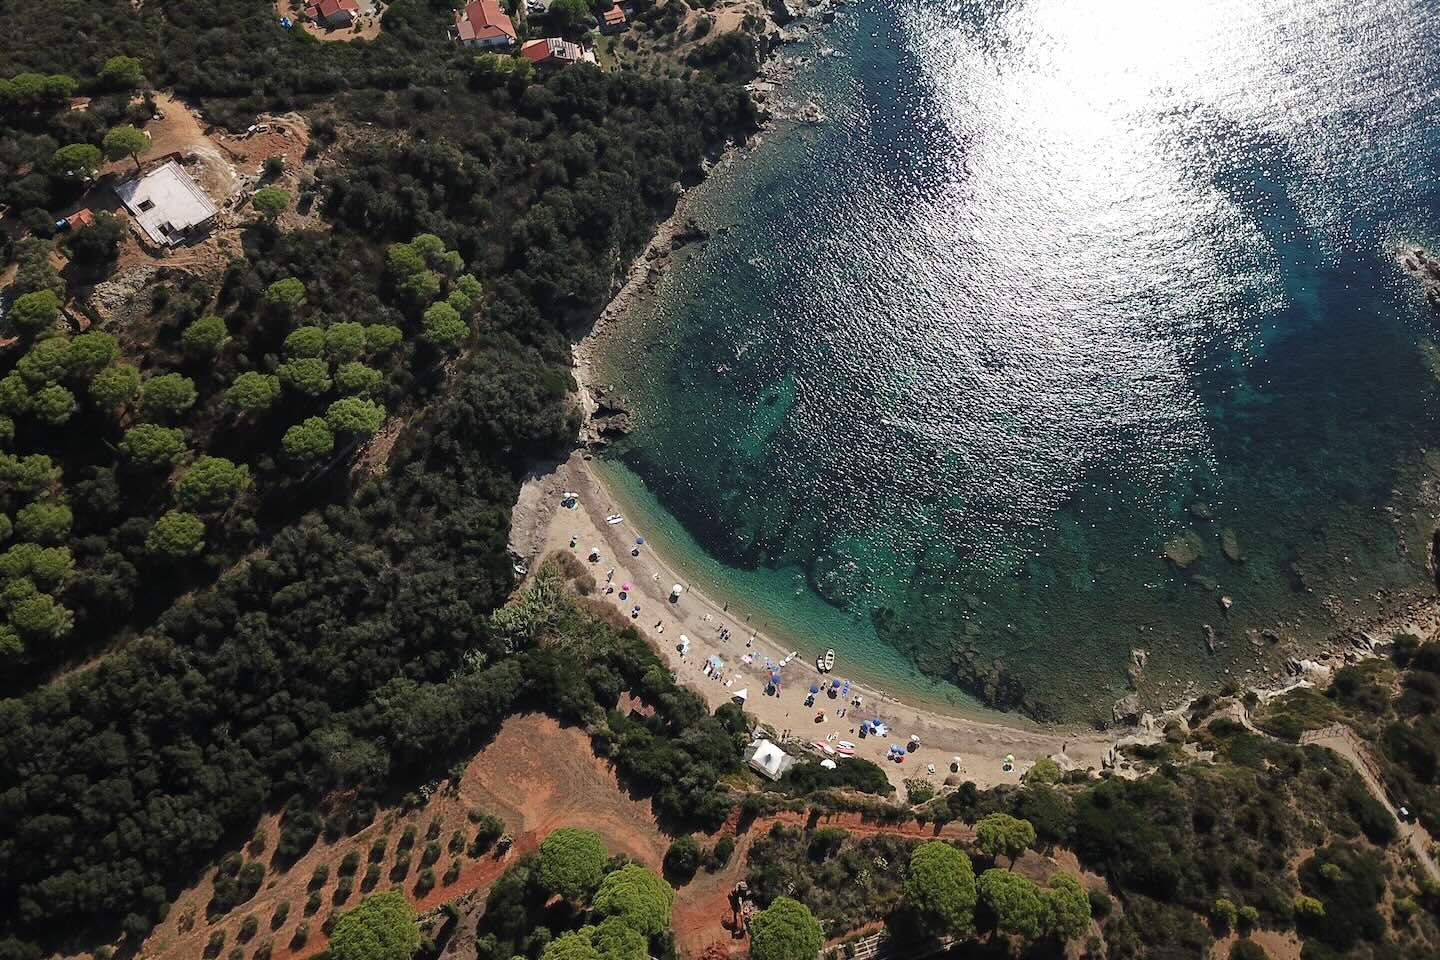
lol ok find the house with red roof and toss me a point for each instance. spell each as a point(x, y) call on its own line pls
point(334, 13)
point(613, 20)
point(551, 53)
point(483, 24)
point(80, 218)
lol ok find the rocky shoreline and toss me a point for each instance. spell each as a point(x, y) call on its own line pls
point(607, 416)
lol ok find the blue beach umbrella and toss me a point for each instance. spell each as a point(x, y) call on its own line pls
point(814, 688)
point(834, 684)
point(640, 541)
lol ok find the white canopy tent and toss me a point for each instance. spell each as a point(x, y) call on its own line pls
point(766, 758)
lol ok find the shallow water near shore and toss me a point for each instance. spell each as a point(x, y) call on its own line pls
point(1053, 287)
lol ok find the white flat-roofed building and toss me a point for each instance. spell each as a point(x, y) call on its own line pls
point(169, 206)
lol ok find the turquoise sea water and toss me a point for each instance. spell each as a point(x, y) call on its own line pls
point(1053, 278)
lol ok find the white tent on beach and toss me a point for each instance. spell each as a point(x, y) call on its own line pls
point(766, 758)
point(741, 695)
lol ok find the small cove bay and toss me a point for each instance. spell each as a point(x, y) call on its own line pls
point(1070, 327)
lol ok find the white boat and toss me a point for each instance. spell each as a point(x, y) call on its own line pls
point(827, 662)
point(614, 518)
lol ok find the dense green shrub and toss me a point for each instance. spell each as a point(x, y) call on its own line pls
point(683, 858)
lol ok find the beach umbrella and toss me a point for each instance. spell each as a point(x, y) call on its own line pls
point(828, 764)
point(834, 684)
point(775, 677)
point(741, 694)
point(639, 541)
point(625, 586)
point(814, 688)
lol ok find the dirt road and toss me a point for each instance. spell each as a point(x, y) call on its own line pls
point(1356, 752)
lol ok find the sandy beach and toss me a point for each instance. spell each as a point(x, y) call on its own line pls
point(544, 526)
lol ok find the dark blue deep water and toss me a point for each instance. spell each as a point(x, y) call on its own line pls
point(1056, 287)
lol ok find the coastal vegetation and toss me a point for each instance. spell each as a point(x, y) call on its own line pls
point(217, 607)
point(262, 626)
point(623, 915)
point(1389, 703)
point(1228, 833)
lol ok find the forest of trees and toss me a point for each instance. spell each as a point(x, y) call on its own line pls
point(262, 628)
point(483, 218)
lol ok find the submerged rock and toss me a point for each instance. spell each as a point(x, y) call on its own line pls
point(1184, 549)
point(837, 578)
point(1199, 510)
point(1423, 267)
point(1135, 669)
point(1230, 546)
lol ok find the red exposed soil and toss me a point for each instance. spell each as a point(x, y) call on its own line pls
point(537, 776)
